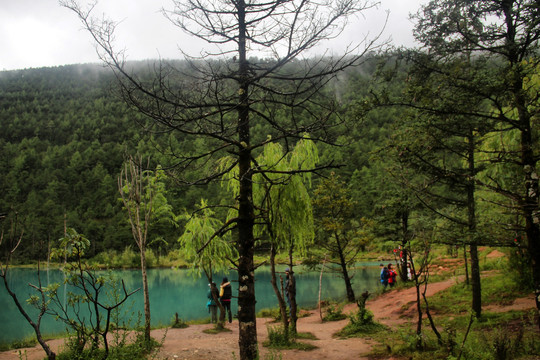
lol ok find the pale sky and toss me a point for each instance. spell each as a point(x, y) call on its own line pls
point(38, 33)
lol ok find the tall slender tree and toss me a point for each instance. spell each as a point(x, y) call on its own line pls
point(502, 39)
point(337, 228)
point(443, 148)
point(222, 99)
point(142, 193)
point(283, 208)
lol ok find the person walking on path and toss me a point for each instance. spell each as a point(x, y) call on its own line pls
point(225, 295)
point(213, 296)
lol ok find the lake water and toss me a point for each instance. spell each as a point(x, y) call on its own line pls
point(176, 291)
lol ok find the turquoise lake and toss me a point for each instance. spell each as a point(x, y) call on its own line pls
point(175, 291)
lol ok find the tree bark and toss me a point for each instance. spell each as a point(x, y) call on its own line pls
point(345, 272)
point(147, 326)
point(471, 209)
point(281, 301)
point(246, 270)
point(292, 292)
point(404, 241)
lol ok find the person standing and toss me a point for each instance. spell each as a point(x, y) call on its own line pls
point(213, 296)
point(384, 276)
point(392, 276)
point(225, 295)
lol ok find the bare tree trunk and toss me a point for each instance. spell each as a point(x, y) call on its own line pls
point(320, 287)
point(147, 326)
point(281, 301)
point(471, 209)
point(345, 272)
point(430, 318)
point(292, 292)
point(419, 343)
point(475, 282)
point(247, 321)
point(529, 162)
point(466, 262)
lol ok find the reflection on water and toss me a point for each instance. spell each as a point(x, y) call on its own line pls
point(176, 291)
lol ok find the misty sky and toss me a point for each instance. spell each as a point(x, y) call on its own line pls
point(37, 33)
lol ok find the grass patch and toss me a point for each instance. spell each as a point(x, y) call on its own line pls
point(272, 313)
point(29, 341)
point(496, 289)
point(293, 345)
point(358, 330)
point(305, 336)
point(140, 349)
point(280, 339)
point(217, 329)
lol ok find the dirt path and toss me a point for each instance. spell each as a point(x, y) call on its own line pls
point(191, 343)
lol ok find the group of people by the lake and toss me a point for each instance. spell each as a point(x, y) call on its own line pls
point(388, 276)
point(223, 295)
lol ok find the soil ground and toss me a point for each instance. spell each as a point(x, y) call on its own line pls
point(392, 308)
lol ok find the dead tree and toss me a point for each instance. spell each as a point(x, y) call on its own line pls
point(223, 94)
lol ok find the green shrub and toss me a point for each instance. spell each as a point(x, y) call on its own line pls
point(273, 313)
point(278, 336)
point(361, 323)
point(334, 313)
point(29, 341)
point(129, 258)
point(519, 269)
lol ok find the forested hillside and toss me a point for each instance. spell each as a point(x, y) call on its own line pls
point(66, 133)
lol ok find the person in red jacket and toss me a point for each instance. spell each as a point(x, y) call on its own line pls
point(392, 275)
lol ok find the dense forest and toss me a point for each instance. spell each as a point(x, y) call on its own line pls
point(65, 136)
point(66, 133)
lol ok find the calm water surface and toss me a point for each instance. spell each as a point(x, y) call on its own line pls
point(175, 291)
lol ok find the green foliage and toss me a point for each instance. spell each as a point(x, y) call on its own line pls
point(101, 294)
point(497, 289)
point(518, 269)
point(202, 245)
point(334, 312)
point(280, 195)
point(278, 338)
point(29, 341)
point(361, 322)
point(139, 349)
point(273, 313)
